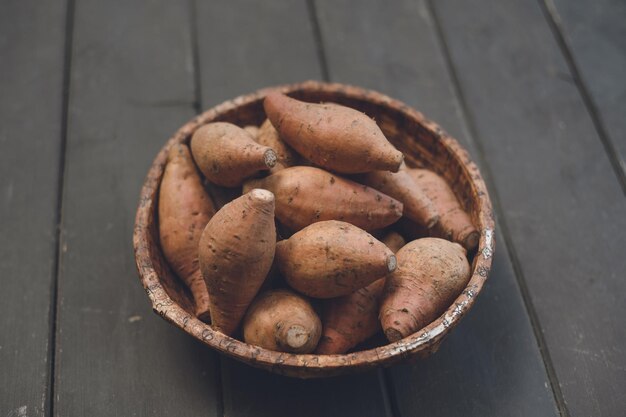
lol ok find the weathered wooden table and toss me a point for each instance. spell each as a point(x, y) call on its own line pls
point(90, 90)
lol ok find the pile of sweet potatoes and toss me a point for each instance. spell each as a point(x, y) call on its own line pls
point(309, 257)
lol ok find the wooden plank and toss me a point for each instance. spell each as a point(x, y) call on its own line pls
point(32, 42)
point(490, 365)
point(131, 87)
point(244, 46)
point(271, 43)
point(561, 201)
point(594, 35)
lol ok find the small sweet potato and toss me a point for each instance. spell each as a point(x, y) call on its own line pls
point(332, 258)
point(431, 273)
point(236, 252)
point(305, 195)
point(454, 223)
point(352, 319)
point(283, 321)
point(227, 155)
point(332, 136)
point(184, 210)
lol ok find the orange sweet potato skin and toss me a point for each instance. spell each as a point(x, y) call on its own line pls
point(431, 273)
point(454, 223)
point(252, 130)
point(236, 251)
point(352, 319)
point(305, 195)
point(184, 210)
point(394, 241)
point(268, 136)
point(227, 155)
point(332, 258)
point(332, 136)
point(401, 186)
point(283, 321)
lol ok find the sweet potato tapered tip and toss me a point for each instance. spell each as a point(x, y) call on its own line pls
point(261, 195)
point(270, 158)
point(392, 263)
point(297, 337)
point(393, 335)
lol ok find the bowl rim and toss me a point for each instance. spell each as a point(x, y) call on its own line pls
point(306, 365)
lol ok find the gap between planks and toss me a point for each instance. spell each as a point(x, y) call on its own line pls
point(551, 15)
point(58, 254)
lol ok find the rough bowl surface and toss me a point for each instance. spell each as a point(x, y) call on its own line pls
point(424, 144)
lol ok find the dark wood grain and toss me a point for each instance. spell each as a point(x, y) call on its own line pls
point(562, 204)
point(270, 43)
point(271, 395)
point(594, 37)
point(244, 46)
point(131, 87)
point(32, 41)
point(490, 365)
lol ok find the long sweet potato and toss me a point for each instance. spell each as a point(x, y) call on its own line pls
point(305, 195)
point(227, 155)
point(332, 258)
point(268, 136)
point(401, 186)
point(431, 273)
point(184, 210)
point(332, 136)
point(236, 252)
point(283, 321)
point(454, 223)
point(352, 319)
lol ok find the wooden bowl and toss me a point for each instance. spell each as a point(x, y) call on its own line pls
point(424, 144)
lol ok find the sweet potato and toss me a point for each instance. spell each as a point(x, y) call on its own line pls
point(334, 137)
point(332, 258)
point(236, 252)
point(252, 130)
point(431, 273)
point(394, 241)
point(401, 186)
point(283, 321)
point(352, 319)
point(227, 154)
point(454, 223)
point(305, 195)
point(268, 136)
point(184, 210)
